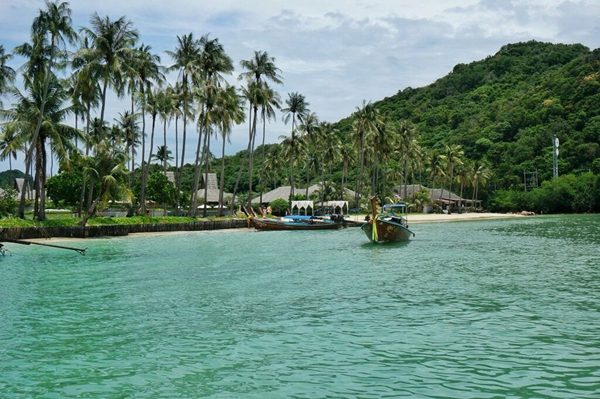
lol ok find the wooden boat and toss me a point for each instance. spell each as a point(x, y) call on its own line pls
point(295, 223)
point(390, 225)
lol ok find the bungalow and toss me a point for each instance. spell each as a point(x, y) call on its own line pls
point(19, 185)
point(443, 198)
point(212, 194)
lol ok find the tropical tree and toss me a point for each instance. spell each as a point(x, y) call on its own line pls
point(163, 155)
point(406, 149)
point(258, 72)
point(10, 144)
point(50, 32)
point(143, 71)
point(187, 62)
point(453, 157)
point(481, 174)
point(229, 108)
point(365, 123)
point(108, 166)
point(109, 53)
point(7, 74)
point(166, 103)
point(23, 119)
point(271, 101)
point(310, 135)
point(214, 64)
point(296, 108)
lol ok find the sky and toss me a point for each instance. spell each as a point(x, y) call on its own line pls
point(337, 53)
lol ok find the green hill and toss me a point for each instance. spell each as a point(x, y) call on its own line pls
point(507, 108)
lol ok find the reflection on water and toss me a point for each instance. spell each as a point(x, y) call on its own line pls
point(484, 309)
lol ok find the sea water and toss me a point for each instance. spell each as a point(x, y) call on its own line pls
point(479, 309)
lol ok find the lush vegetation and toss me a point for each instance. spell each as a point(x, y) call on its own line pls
point(480, 131)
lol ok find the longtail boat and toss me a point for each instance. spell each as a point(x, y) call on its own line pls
point(391, 225)
point(295, 223)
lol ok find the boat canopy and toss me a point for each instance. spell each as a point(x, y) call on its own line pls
point(299, 217)
point(302, 205)
point(394, 206)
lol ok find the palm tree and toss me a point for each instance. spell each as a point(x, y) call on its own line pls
point(143, 70)
point(7, 74)
point(187, 62)
point(309, 127)
point(10, 144)
point(453, 157)
point(406, 149)
point(23, 119)
point(230, 110)
point(107, 166)
point(481, 175)
point(163, 155)
point(166, 104)
point(111, 43)
point(50, 32)
point(214, 63)
point(271, 101)
point(259, 70)
point(435, 169)
point(297, 107)
point(362, 127)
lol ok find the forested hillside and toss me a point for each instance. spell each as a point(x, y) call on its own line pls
point(508, 107)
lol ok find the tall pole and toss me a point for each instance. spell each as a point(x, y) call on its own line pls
point(555, 144)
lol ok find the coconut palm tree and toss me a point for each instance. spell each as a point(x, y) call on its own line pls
point(153, 107)
point(50, 32)
point(7, 74)
point(229, 107)
point(453, 157)
point(271, 101)
point(258, 72)
point(163, 156)
point(365, 123)
point(482, 173)
point(23, 119)
point(10, 144)
point(109, 54)
point(435, 168)
point(309, 128)
point(297, 108)
point(405, 148)
point(214, 64)
point(108, 166)
point(187, 63)
point(165, 103)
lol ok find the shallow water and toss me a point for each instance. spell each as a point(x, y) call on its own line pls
point(481, 309)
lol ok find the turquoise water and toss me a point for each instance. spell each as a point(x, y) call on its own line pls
point(483, 309)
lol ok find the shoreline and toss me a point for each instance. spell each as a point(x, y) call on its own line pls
point(412, 218)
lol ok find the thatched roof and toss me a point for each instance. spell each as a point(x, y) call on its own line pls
point(211, 181)
point(212, 195)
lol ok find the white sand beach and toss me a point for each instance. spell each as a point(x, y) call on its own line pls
point(454, 217)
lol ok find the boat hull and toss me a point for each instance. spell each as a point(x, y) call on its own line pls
point(270, 224)
point(387, 231)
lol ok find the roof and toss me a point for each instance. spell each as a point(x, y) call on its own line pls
point(212, 195)
point(283, 192)
point(211, 181)
point(436, 194)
